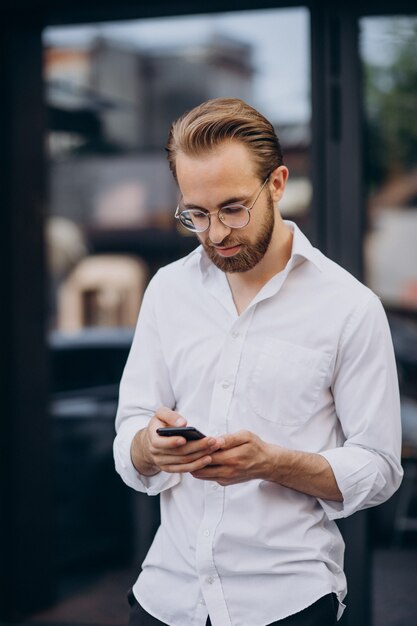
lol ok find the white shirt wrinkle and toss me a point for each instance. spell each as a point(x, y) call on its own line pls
point(309, 366)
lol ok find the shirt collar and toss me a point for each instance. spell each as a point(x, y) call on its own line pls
point(194, 255)
point(302, 250)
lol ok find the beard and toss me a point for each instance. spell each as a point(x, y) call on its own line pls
point(250, 253)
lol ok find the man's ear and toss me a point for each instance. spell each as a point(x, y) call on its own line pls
point(277, 181)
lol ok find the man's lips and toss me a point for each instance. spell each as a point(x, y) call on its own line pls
point(227, 251)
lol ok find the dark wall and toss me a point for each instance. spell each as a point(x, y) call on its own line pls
point(24, 470)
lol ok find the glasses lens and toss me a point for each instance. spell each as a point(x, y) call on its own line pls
point(234, 216)
point(194, 220)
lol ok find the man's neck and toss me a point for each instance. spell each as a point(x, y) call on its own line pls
point(245, 285)
point(274, 261)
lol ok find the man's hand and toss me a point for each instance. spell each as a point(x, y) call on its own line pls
point(244, 456)
point(152, 453)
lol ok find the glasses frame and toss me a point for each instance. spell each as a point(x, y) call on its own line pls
point(218, 213)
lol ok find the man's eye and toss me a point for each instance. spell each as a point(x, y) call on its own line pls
point(232, 209)
point(197, 215)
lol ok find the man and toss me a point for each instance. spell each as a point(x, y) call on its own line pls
point(285, 362)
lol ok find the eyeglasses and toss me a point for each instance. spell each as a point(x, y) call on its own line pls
point(231, 215)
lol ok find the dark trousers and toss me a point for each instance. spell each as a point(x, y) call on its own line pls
point(321, 613)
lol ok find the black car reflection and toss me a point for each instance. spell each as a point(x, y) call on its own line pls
point(99, 521)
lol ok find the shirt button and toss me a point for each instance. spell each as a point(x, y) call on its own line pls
point(235, 334)
point(225, 384)
point(206, 533)
point(210, 580)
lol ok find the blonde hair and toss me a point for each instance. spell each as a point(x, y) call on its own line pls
point(223, 119)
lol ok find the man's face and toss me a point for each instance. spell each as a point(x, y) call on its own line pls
point(224, 176)
point(239, 252)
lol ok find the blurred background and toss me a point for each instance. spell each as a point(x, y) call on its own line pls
point(87, 219)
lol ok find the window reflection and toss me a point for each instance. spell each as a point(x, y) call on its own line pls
point(389, 51)
point(389, 57)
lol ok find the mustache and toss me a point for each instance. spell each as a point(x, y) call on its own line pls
point(226, 243)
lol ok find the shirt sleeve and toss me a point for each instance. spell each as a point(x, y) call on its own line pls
point(367, 467)
point(145, 386)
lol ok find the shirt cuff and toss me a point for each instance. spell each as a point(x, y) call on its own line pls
point(358, 478)
point(152, 485)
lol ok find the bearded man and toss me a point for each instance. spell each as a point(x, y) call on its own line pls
point(284, 361)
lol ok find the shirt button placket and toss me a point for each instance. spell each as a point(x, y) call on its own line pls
point(210, 580)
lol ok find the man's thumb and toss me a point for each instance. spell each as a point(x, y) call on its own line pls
point(171, 418)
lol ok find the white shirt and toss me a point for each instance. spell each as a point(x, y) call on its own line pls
point(309, 365)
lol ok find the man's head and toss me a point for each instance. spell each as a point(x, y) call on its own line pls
point(223, 154)
point(224, 119)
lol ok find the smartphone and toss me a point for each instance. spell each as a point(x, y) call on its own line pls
point(189, 432)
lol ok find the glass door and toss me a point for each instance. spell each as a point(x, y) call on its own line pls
point(388, 49)
point(112, 91)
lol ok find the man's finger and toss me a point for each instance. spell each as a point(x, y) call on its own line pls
point(169, 457)
point(187, 467)
point(168, 443)
point(170, 417)
point(234, 439)
point(210, 472)
point(184, 447)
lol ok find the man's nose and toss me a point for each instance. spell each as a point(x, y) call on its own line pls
point(217, 230)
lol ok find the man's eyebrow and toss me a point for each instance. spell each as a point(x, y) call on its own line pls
point(232, 200)
point(235, 200)
point(193, 206)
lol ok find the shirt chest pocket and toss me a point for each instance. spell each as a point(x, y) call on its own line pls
point(285, 382)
